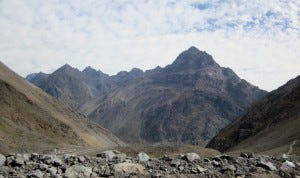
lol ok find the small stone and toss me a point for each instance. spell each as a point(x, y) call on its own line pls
point(217, 159)
point(2, 160)
point(94, 175)
point(166, 158)
point(206, 160)
point(216, 163)
point(231, 168)
point(34, 156)
point(4, 170)
point(201, 169)
point(180, 168)
point(266, 165)
point(121, 157)
point(191, 157)
point(36, 173)
point(43, 166)
point(227, 157)
point(81, 159)
point(109, 155)
point(241, 161)
point(57, 162)
point(19, 161)
point(247, 155)
point(10, 160)
point(287, 166)
point(289, 163)
point(284, 156)
point(175, 163)
point(48, 159)
point(26, 157)
point(194, 171)
point(52, 171)
point(143, 157)
point(156, 174)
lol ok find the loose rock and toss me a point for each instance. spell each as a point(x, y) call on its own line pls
point(2, 160)
point(266, 165)
point(143, 157)
point(78, 171)
point(191, 157)
point(129, 168)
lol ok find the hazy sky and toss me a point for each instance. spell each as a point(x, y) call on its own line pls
point(258, 39)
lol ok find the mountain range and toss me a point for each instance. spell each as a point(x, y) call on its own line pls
point(32, 120)
point(270, 125)
point(188, 101)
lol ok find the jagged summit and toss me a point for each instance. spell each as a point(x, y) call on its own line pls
point(88, 69)
point(193, 58)
point(91, 72)
point(66, 66)
point(136, 71)
point(68, 69)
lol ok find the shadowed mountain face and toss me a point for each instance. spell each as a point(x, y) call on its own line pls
point(31, 120)
point(188, 101)
point(270, 125)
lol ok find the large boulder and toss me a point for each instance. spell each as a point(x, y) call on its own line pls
point(109, 155)
point(143, 157)
point(129, 169)
point(191, 157)
point(266, 165)
point(2, 160)
point(78, 171)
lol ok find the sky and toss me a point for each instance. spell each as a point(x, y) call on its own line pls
point(258, 39)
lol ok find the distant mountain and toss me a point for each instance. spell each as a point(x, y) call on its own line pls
point(270, 125)
point(123, 77)
point(188, 101)
point(36, 77)
point(72, 86)
point(31, 120)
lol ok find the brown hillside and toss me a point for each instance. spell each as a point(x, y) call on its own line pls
point(271, 125)
point(31, 120)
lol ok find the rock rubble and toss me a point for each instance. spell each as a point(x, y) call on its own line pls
point(116, 164)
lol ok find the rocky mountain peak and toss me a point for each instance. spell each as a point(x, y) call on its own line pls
point(66, 69)
point(66, 66)
point(193, 58)
point(136, 72)
point(93, 73)
point(89, 69)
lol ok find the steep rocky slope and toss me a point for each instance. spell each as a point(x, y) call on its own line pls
point(270, 125)
point(187, 101)
point(31, 120)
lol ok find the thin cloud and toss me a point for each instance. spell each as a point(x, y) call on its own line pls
point(119, 35)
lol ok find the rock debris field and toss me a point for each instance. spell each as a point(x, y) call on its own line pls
point(117, 164)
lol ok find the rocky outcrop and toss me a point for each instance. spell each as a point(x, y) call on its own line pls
point(36, 165)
